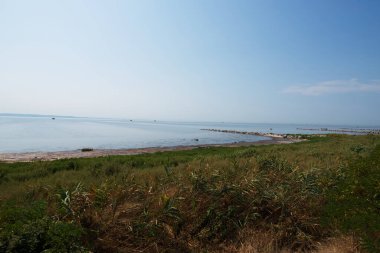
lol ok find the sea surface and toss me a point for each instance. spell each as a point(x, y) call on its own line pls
point(40, 133)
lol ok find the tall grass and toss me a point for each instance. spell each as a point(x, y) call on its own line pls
point(212, 199)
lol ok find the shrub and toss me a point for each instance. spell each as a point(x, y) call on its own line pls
point(3, 176)
point(63, 237)
point(62, 165)
point(355, 203)
point(30, 229)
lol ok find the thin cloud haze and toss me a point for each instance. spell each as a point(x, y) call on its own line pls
point(335, 86)
point(192, 60)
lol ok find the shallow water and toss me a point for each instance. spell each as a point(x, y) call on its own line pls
point(26, 134)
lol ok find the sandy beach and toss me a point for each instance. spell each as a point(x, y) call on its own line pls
point(50, 156)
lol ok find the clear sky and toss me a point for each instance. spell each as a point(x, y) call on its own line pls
point(291, 61)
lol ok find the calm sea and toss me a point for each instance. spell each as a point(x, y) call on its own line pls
point(27, 134)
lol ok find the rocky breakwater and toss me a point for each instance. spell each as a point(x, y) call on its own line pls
point(272, 135)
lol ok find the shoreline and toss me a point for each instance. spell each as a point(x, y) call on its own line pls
point(57, 155)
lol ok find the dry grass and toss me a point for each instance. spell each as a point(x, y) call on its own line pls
point(252, 199)
point(265, 242)
point(341, 244)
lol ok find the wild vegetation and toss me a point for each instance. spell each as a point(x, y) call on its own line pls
point(308, 196)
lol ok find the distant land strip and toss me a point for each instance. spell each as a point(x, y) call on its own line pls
point(298, 136)
point(346, 130)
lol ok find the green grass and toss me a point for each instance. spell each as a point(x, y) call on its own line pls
point(300, 193)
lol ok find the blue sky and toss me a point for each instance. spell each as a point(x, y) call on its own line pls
point(203, 60)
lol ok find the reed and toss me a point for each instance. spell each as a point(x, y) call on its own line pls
point(211, 199)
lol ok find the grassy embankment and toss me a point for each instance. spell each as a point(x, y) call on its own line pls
point(293, 197)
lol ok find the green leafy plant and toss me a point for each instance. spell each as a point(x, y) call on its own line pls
point(354, 203)
point(30, 229)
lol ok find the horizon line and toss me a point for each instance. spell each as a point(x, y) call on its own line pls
point(178, 121)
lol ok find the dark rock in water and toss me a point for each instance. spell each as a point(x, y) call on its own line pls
point(87, 149)
point(53, 118)
point(196, 139)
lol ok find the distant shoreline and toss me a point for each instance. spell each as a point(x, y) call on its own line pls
point(56, 155)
